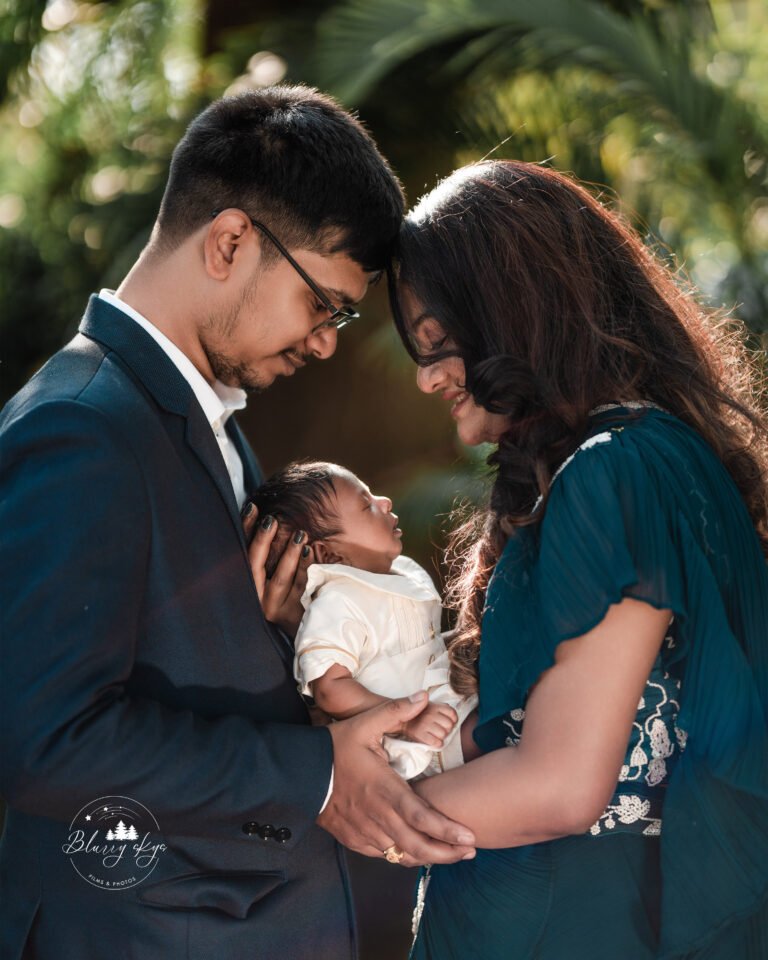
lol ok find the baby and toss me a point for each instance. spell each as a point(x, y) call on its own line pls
point(371, 627)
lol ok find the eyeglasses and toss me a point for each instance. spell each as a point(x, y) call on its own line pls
point(339, 316)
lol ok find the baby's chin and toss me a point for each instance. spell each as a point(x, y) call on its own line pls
point(389, 561)
point(379, 562)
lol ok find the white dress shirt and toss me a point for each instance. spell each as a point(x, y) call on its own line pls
point(218, 401)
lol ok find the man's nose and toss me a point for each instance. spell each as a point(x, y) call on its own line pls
point(321, 343)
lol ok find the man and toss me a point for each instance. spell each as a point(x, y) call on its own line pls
point(140, 664)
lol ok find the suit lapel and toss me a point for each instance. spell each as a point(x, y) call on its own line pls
point(252, 478)
point(162, 379)
point(203, 443)
point(160, 376)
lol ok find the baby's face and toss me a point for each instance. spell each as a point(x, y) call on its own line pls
point(370, 538)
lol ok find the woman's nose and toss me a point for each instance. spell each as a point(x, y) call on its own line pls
point(428, 378)
point(385, 503)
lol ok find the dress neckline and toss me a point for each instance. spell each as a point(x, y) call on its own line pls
point(626, 404)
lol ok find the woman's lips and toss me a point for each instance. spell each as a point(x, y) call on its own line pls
point(459, 400)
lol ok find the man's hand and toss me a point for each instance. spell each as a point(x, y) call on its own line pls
point(280, 595)
point(432, 725)
point(371, 807)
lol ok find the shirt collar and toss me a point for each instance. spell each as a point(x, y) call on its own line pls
point(406, 579)
point(217, 399)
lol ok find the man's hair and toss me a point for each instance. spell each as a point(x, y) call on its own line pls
point(299, 497)
point(292, 158)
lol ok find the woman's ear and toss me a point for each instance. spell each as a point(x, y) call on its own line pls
point(324, 553)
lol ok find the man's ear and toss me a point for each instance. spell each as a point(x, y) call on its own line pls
point(324, 553)
point(228, 231)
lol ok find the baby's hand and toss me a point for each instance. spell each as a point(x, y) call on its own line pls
point(432, 725)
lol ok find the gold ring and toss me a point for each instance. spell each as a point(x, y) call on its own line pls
point(393, 855)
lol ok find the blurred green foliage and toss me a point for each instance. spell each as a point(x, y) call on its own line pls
point(85, 134)
point(663, 104)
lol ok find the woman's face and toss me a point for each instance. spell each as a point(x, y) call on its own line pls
point(474, 424)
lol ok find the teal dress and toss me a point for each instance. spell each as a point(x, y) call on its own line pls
point(677, 865)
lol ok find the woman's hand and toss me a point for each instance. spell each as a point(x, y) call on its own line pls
point(280, 595)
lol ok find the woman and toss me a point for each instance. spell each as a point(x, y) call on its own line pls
point(613, 615)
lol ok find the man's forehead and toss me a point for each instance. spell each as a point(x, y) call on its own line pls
point(353, 296)
point(341, 278)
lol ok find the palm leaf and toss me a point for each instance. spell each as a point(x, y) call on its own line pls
point(361, 43)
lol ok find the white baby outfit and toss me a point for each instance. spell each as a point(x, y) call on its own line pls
point(385, 629)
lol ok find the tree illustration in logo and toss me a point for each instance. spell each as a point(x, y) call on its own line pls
point(121, 832)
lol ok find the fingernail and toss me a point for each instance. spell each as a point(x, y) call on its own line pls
point(305, 551)
point(418, 696)
point(267, 522)
point(247, 510)
point(466, 839)
point(298, 536)
point(469, 856)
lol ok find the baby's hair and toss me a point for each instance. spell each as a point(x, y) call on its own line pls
point(301, 496)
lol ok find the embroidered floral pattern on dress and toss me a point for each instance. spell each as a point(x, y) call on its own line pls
point(515, 727)
point(654, 744)
point(630, 811)
point(421, 894)
point(650, 744)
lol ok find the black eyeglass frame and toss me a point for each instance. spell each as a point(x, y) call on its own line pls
point(339, 316)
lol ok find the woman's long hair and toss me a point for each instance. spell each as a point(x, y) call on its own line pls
point(556, 306)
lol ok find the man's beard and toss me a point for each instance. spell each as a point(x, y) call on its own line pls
point(225, 369)
point(236, 374)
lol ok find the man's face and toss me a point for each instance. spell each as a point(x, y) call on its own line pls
point(270, 325)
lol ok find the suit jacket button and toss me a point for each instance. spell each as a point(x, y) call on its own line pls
point(266, 831)
point(282, 834)
point(251, 827)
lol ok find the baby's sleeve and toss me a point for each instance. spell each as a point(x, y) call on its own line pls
point(333, 631)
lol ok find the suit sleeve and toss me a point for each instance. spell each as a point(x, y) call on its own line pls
point(76, 539)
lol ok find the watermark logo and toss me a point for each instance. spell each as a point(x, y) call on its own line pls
point(114, 843)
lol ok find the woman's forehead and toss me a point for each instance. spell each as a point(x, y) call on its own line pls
point(409, 302)
point(413, 310)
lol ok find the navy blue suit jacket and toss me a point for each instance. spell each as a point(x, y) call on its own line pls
point(136, 661)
